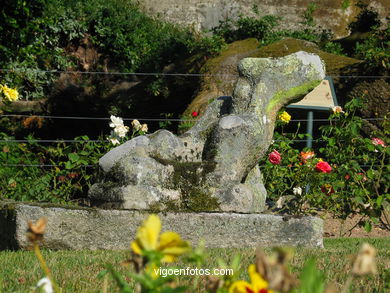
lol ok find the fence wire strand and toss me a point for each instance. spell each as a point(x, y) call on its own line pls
point(150, 119)
point(25, 70)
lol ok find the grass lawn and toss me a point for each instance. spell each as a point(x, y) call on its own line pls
point(76, 271)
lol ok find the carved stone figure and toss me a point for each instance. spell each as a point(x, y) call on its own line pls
point(213, 166)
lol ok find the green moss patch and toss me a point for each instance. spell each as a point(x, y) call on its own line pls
point(189, 178)
point(289, 95)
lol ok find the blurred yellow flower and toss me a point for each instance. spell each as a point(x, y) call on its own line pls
point(285, 117)
point(148, 238)
point(9, 94)
point(257, 284)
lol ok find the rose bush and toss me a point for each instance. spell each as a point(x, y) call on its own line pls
point(345, 173)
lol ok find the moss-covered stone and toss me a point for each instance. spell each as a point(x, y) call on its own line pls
point(225, 66)
point(189, 178)
point(290, 95)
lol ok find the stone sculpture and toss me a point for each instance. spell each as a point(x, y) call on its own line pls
point(213, 166)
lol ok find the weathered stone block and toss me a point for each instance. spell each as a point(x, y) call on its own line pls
point(70, 228)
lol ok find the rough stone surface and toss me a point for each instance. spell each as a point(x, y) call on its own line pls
point(114, 229)
point(206, 14)
point(210, 166)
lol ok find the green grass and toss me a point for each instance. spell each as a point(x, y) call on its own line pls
point(76, 271)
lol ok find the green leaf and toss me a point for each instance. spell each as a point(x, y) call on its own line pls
point(370, 174)
point(73, 157)
point(312, 280)
point(123, 286)
point(367, 226)
point(69, 165)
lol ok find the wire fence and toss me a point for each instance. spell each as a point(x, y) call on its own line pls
point(25, 70)
point(152, 119)
point(95, 166)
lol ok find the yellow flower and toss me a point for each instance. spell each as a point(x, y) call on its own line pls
point(285, 117)
point(148, 238)
point(257, 284)
point(9, 94)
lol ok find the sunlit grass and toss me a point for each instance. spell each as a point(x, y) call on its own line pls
point(77, 271)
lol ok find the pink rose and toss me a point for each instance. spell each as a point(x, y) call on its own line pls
point(323, 167)
point(275, 157)
point(377, 141)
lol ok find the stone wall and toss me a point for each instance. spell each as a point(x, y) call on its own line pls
point(206, 14)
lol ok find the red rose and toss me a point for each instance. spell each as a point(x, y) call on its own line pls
point(323, 167)
point(275, 157)
point(194, 114)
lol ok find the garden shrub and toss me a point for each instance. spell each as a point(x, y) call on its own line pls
point(266, 29)
point(41, 35)
point(56, 173)
point(357, 181)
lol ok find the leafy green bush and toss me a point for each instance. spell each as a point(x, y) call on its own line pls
point(55, 173)
point(359, 178)
point(266, 29)
point(375, 50)
point(41, 35)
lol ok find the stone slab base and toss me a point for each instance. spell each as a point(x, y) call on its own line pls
point(70, 228)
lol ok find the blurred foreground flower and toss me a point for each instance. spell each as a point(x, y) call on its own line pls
point(36, 231)
point(148, 238)
point(45, 284)
point(285, 117)
point(35, 234)
point(364, 263)
point(257, 284)
point(10, 94)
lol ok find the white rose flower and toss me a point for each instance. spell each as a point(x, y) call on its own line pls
point(114, 141)
point(121, 130)
point(136, 125)
point(337, 109)
point(297, 190)
point(144, 128)
point(116, 121)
